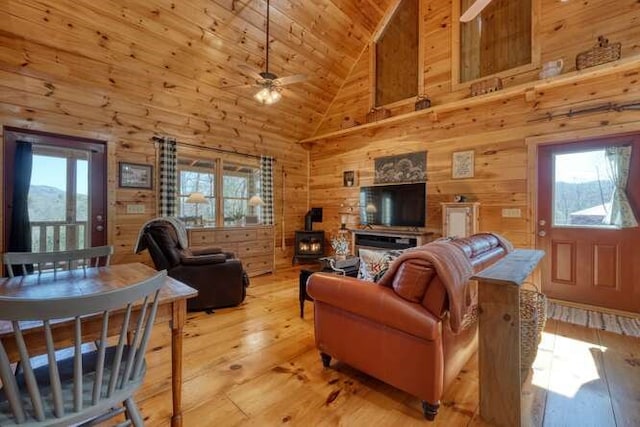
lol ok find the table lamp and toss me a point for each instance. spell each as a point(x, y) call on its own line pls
point(197, 198)
point(254, 202)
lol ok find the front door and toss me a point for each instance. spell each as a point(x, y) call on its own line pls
point(586, 260)
point(67, 190)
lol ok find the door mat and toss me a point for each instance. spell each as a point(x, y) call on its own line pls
point(617, 324)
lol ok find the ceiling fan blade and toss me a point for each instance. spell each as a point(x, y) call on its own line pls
point(474, 10)
point(296, 78)
point(242, 86)
point(250, 72)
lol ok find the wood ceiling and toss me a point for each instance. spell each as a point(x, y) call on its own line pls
point(155, 59)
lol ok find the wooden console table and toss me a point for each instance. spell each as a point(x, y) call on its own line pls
point(499, 346)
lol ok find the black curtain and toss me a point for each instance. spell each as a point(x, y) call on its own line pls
point(20, 235)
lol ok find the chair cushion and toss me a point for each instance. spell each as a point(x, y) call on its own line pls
point(373, 263)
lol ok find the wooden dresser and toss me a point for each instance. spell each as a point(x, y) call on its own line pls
point(254, 245)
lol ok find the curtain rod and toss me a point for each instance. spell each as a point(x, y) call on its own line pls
point(204, 147)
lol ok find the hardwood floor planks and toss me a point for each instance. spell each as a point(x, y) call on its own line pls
point(256, 364)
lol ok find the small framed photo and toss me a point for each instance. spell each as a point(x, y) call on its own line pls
point(133, 175)
point(462, 164)
point(349, 178)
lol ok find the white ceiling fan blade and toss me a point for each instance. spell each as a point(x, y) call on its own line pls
point(296, 78)
point(474, 10)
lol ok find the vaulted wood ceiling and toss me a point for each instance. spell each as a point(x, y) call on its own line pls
point(141, 59)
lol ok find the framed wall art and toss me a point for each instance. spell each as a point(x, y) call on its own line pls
point(462, 164)
point(348, 178)
point(403, 168)
point(134, 175)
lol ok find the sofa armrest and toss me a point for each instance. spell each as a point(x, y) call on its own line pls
point(208, 250)
point(373, 302)
point(203, 259)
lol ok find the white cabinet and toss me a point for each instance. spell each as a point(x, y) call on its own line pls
point(460, 219)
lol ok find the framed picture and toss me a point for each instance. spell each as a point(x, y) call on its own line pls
point(133, 175)
point(349, 178)
point(462, 164)
point(403, 168)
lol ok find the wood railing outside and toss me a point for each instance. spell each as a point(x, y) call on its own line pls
point(51, 236)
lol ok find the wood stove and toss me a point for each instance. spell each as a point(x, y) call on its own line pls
point(309, 245)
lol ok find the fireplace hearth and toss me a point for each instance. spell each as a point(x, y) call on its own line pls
point(309, 246)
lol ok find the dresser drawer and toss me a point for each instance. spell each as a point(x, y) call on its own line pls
point(226, 236)
point(260, 247)
point(202, 237)
point(265, 233)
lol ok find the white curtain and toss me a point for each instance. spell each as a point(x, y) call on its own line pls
point(621, 214)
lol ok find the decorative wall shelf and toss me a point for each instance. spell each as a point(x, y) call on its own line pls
point(528, 90)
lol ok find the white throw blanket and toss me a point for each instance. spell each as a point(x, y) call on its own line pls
point(181, 232)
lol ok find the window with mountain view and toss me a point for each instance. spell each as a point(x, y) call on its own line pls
point(197, 176)
point(583, 189)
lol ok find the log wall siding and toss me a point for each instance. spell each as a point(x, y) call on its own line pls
point(125, 71)
point(564, 30)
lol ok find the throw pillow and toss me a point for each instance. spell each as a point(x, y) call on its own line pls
point(373, 263)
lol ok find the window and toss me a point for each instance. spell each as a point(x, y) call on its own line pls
point(239, 183)
point(498, 39)
point(582, 189)
point(396, 56)
point(216, 192)
point(197, 177)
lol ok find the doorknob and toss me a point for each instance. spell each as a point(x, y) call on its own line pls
point(99, 228)
point(542, 222)
point(542, 233)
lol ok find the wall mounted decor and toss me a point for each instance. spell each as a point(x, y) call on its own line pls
point(349, 178)
point(133, 175)
point(462, 164)
point(409, 167)
point(601, 53)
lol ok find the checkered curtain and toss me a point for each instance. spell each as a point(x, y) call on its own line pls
point(266, 170)
point(168, 177)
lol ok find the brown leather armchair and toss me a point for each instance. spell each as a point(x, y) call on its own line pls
point(415, 329)
point(218, 276)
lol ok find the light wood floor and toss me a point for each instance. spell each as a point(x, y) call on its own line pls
point(256, 365)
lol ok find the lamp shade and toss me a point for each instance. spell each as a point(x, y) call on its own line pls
point(256, 201)
point(268, 95)
point(197, 198)
point(371, 208)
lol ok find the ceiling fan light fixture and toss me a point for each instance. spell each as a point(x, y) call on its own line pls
point(268, 95)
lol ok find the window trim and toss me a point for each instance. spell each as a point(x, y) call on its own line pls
point(456, 84)
point(390, 13)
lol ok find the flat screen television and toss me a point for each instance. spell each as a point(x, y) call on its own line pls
point(394, 205)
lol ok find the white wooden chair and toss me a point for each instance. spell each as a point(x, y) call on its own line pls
point(53, 261)
point(85, 385)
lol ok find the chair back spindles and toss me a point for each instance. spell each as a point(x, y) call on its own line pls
point(74, 391)
point(42, 262)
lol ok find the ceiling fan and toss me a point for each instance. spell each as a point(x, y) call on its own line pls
point(474, 10)
point(270, 85)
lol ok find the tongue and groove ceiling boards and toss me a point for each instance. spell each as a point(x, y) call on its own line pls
point(167, 62)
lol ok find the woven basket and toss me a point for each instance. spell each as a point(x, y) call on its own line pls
point(348, 122)
point(533, 315)
point(486, 86)
point(602, 53)
point(377, 114)
point(422, 102)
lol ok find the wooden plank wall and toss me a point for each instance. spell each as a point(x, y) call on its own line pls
point(564, 30)
point(125, 71)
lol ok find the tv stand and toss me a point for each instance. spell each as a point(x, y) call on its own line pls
point(388, 239)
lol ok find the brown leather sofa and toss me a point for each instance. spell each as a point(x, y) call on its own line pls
point(218, 276)
point(413, 329)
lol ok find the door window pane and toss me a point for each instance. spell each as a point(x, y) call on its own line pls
point(48, 190)
point(582, 189)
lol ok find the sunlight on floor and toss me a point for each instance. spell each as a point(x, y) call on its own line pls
point(569, 370)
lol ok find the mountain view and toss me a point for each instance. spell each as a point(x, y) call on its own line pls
point(574, 197)
point(48, 204)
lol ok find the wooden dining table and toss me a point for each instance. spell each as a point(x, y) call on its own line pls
point(172, 309)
